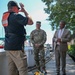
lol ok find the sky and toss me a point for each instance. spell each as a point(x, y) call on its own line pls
point(35, 8)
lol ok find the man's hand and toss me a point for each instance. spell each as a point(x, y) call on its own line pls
point(37, 45)
point(59, 40)
point(22, 7)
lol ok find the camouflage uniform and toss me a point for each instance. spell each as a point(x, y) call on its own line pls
point(38, 37)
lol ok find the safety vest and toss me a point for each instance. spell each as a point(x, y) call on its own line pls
point(5, 19)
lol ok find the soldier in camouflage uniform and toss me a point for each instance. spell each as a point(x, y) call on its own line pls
point(38, 38)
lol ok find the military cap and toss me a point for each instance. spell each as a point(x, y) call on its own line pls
point(38, 22)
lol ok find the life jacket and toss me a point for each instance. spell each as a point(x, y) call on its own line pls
point(5, 19)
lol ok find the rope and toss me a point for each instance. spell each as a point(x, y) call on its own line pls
point(41, 65)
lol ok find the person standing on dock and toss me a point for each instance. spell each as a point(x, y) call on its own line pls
point(38, 38)
point(15, 34)
point(60, 39)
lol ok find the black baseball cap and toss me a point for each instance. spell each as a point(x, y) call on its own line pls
point(12, 3)
point(38, 22)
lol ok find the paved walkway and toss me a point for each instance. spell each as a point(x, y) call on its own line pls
point(50, 66)
point(51, 69)
point(70, 67)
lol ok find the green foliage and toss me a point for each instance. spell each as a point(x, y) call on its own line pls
point(60, 10)
point(71, 51)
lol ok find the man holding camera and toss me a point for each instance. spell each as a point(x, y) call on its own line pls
point(14, 37)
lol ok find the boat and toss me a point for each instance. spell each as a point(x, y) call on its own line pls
point(1, 44)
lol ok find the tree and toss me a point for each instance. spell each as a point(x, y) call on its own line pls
point(61, 10)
